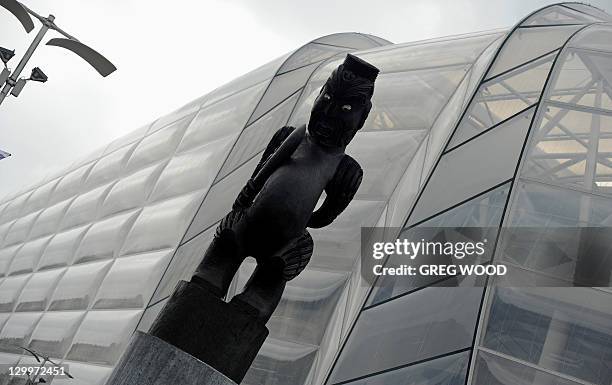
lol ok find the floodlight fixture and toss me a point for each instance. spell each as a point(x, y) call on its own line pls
point(38, 75)
point(6, 55)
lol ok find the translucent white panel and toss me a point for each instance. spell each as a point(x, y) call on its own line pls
point(162, 225)
point(17, 330)
point(40, 197)
point(559, 14)
point(583, 78)
point(427, 90)
point(27, 257)
point(306, 306)
point(60, 250)
point(84, 208)
point(280, 88)
point(377, 39)
point(158, 145)
point(481, 65)
point(14, 207)
point(7, 360)
point(37, 292)
point(595, 37)
point(544, 205)
point(87, 159)
point(449, 370)
point(183, 265)
point(10, 289)
point(526, 44)
point(492, 369)
point(54, 332)
point(70, 184)
point(104, 238)
point(308, 54)
point(424, 324)
point(219, 199)
point(281, 362)
point(565, 329)
point(193, 170)
point(503, 97)
point(350, 40)
point(20, 230)
point(476, 166)
point(221, 120)
point(572, 148)
point(120, 289)
point(412, 56)
point(590, 10)
point(150, 315)
point(337, 245)
point(78, 286)
point(406, 190)
point(109, 167)
point(84, 374)
point(103, 335)
point(255, 137)
point(49, 220)
point(129, 138)
point(6, 257)
point(394, 148)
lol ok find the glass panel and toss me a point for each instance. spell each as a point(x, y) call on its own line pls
point(161, 226)
point(120, 289)
point(558, 14)
point(60, 250)
point(132, 191)
point(526, 44)
point(502, 98)
point(565, 329)
point(572, 148)
point(54, 333)
point(27, 257)
point(427, 323)
point(36, 293)
point(392, 148)
point(221, 120)
point(219, 199)
point(20, 230)
point(84, 208)
point(150, 315)
point(159, 145)
point(39, 197)
point(595, 12)
point(377, 39)
point(255, 137)
point(6, 257)
point(308, 54)
point(48, 221)
point(494, 370)
point(78, 286)
point(10, 289)
point(484, 211)
point(109, 167)
point(595, 37)
point(103, 335)
point(84, 375)
point(351, 40)
point(281, 362)
point(449, 370)
point(541, 205)
point(193, 170)
point(70, 184)
point(104, 238)
point(17, 331)
point(462, 168)
point(584, 78)
point(183, 265)
point(281, 87)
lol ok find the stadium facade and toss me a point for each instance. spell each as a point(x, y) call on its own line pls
point(499, 128)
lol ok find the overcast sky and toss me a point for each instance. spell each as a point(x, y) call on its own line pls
point(169, 53)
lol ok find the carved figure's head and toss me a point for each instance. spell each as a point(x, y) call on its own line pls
point(343, 104)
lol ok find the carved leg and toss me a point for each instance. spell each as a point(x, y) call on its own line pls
point(222, 258)
point(264, 289)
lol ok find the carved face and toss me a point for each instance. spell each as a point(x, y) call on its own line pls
point(341, 108)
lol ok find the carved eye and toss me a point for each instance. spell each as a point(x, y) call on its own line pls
point(326, 96)
point(346, 107)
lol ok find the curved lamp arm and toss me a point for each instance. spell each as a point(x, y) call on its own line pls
point(19, 12)
point(97, 61)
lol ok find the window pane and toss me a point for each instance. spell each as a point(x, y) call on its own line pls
point(308, 54)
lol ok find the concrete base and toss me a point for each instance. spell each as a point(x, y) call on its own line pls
point(149, 360)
